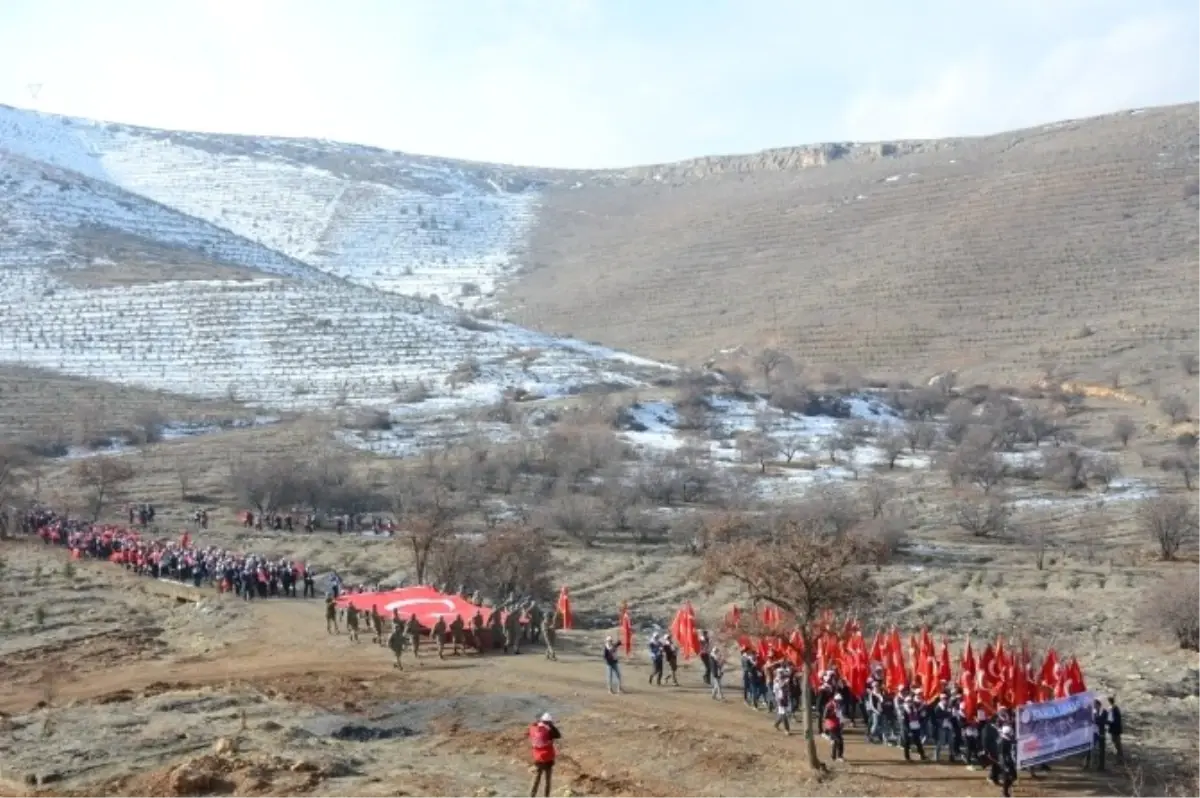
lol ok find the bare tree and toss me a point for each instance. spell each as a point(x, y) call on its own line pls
point(1104, 468)
point(1185, 463)
point(759, 448)
point(102, 478)
point(1173, 606)
point(575, 514)
point(183, 473)
point(921, 435)
point(878, 492)
point(148, 425)
point(1039, 425)
point(1124, 429)
point(736, 379)
point(1171, 522)
point(767, 361)
point(790, 446)
point(1068, 468)
point(893, 446)
point(1190, 363)
point(803, 570)
point(517, 560)
point(789, 396)
point(12, 460)
point(976, 463)
point(985, 516)
point(1175, 407)
point(425, 512)
point(1036, 536)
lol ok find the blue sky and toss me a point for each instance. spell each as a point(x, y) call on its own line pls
point(592, 83)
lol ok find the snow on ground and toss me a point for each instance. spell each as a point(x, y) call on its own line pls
point(398, 223)
point(287, 344)
point(1119, 490)
point(47, 216)
point(173, 431)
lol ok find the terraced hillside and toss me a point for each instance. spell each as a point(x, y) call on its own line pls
point(1075, 242)
point(400, 223)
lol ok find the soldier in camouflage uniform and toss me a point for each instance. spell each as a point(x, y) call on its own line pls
point(456, 633)
point(477, 631)
point(377, 625)
point(535, 621)
point(495, 628)
point(512, 632)
point(413, 629)
point(395, 642)
point(439, 636)
point(352, 622)
point(548, 636)
point(331, 624)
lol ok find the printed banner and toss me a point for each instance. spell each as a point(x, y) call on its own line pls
point(1054, 729)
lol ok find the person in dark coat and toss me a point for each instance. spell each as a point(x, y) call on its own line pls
point(1116, 727)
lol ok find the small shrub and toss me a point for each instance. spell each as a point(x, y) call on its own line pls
point(39, 615)
point(1170, 522)
point(1190, 363)
point(473, 324)
point(1173, 607)
point(1124, 429)
point(1175, 407)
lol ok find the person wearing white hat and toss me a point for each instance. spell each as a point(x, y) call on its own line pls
point(542, 735)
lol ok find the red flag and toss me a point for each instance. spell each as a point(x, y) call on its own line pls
point(876, 654)
point(944, 671)
point(930, 689)
point(1048, 676)
point(771, 616)
point(1019, 684)
point(733, 618)
point(1075, 683)
point(563, 607)
point(185, 540)
point(968, 660)
point(626, 631)
point(988, 672)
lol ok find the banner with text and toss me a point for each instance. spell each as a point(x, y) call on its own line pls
point(1054, 729)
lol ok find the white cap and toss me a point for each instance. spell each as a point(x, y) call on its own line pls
point(546, 718)
point(608, 639)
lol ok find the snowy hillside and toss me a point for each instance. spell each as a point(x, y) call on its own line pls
point(399, 223)
point(290, 344)
point(50, 217)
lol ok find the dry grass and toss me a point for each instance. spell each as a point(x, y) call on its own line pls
point(121, 258)
point(1076, 244)
point(135, 272)
point(45, 405)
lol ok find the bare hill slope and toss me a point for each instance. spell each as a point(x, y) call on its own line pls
point(1075, 242)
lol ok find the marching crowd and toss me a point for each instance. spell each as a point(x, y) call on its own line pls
point(957, 731)
point(247, 575)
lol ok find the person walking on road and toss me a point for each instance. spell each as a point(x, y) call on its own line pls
point(612, 665)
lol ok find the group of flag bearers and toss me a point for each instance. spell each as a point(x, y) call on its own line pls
point(907, 695)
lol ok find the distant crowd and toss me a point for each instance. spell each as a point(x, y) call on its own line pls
point(310, 522)
point(247, 575)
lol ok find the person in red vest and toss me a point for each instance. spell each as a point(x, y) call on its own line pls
point(542, 735)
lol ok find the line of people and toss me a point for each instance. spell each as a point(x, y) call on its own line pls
point(247, 575)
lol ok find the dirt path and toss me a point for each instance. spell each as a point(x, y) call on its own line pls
point(653, 741)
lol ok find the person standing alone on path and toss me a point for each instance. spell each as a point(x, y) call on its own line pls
point(542, 735)
point(706, 655)
point(612, 665)
point(716, 667)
